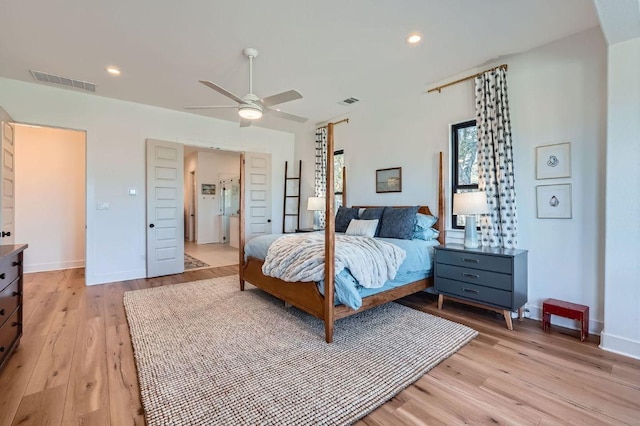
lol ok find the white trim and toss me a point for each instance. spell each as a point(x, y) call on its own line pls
point(620, 345)
point(53, 266)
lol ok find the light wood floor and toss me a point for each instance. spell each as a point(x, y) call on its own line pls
point(75, 366)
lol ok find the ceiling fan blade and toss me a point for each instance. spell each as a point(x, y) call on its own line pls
point(210, 106)
point(222, 91)
point(244, 122)
point(286, 115)
point(281, 98)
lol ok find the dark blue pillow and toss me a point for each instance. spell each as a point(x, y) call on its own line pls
point(344, 216)
point(373, 213)
point(398, 222)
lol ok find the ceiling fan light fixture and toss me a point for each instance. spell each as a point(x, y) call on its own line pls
point(249, 111)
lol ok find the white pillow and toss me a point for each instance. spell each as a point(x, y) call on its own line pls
point(362, 228)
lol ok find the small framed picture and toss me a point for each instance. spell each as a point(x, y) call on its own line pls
point(553, 201)
point(208, 189)
point(553, 161)
point(389, 180)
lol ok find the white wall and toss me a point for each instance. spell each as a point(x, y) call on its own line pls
point(116, 133)
point(556, 94)
point(50, 197)
point(622, 277)
point(212, 166)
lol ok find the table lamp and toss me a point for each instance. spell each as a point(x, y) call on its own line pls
point(470, 204)
point(316, 204)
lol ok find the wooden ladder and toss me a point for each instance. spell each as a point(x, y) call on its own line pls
point(286, 197)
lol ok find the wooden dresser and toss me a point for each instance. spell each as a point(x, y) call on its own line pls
point(10, 299)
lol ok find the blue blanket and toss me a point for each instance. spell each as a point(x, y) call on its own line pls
point(417, 265)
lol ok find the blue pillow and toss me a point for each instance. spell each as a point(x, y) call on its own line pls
point(398, 222)
point(424, 221)
point(344, 216)
point(373, 213)
point(426, 234)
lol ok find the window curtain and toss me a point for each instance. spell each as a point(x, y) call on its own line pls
point(495, 160)
point(321, 170)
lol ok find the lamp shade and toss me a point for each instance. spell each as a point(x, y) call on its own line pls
point(316, 204)
point(470, 203)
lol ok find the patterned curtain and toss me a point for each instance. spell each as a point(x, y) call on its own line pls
point(321, 169)
point(495, 160)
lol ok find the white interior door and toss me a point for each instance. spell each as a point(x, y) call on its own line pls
point(7, 189)
point(165, 201)
point(257, 172)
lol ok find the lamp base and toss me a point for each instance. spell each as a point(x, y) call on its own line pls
point(316, 221)
point(471, 233)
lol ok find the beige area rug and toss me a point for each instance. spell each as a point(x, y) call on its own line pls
point(209, 354)
point(191, 262)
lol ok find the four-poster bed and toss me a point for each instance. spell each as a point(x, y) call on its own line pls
point(306, 295)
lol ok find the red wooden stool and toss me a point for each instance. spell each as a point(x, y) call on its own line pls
point(566, 310)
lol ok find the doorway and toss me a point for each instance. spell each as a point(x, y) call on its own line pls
point(50, 175)
point(209, 214)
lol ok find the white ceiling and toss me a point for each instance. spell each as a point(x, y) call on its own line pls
point(327, 50)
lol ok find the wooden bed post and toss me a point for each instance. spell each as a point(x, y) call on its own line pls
point(329, 242)
point(241, 222)
point(440, 223)
point(344, 186)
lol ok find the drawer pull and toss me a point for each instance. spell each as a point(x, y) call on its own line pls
point(14, 263)
point(468, 290)
point(16, 324)
point(464, 259)
point(2, 312)
point(15, 293)
point(464, 274)
point(1, 349)
point(2, 276)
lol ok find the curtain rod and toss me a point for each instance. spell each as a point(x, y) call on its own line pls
point(439, 88)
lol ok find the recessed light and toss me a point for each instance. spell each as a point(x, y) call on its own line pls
point(113, 70)
point(414, 38)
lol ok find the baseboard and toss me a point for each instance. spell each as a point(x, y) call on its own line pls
point(53, 266)
point(620, 345)
point(535, 312)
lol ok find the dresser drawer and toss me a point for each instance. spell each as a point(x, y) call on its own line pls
point(8, 300)
point(8, 270)
point(9, 332)
point(474, 292)
point(476, 261)
point(474, 276)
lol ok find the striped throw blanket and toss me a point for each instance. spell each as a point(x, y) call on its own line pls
point(300, 257)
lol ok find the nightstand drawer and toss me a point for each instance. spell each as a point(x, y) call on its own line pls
point(474, 276)
point(474, 292)
point(476, 261)
point(8, 271)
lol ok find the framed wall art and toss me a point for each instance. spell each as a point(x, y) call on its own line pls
point(553, 201)
point(553, 161)
point(208, 189)
point(389, 180)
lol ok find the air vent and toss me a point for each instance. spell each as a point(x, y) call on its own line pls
point(348, 101)
point(44, 77)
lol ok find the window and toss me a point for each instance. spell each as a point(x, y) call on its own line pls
point(338, 165)
point(464, 163)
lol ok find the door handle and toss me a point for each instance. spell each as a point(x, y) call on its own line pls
point(268, 220)
point(151, 225)
point(6, 234)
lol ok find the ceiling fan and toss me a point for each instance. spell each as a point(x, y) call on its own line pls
point(250, 107)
